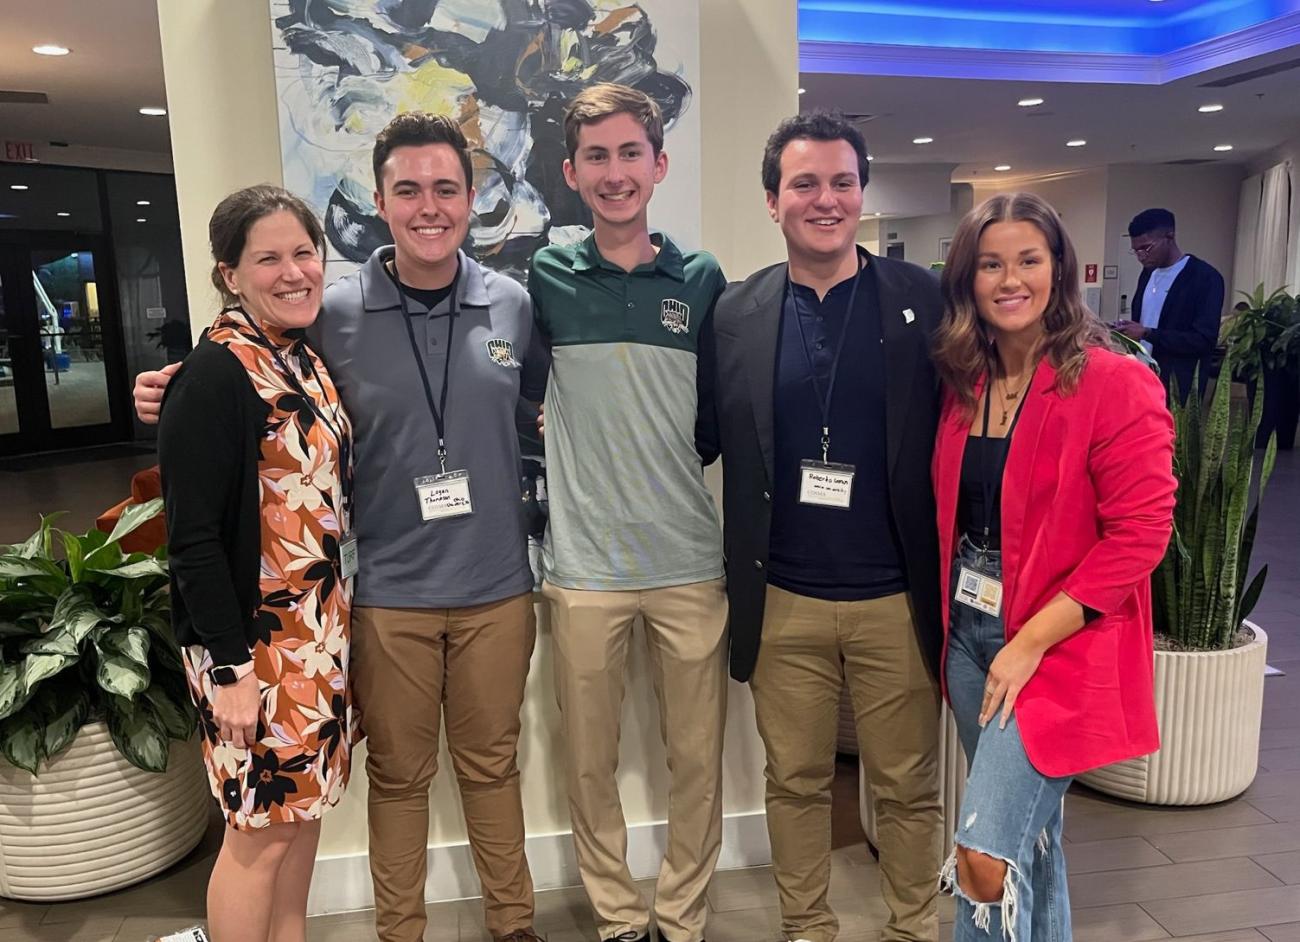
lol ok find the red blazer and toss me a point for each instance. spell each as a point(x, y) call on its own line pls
point(1087, 509)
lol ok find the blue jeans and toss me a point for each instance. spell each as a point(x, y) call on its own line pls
point(1010, 810)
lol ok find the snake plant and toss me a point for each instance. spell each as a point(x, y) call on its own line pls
point(1200, 590)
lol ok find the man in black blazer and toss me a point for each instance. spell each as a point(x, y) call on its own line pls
point(1178, 303)
point(824, 408)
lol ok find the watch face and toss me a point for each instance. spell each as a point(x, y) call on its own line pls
point(223, 676)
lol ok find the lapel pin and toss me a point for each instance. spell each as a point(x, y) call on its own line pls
point(908, 316)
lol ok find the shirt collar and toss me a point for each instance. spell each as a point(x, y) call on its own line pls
point(380, 293)
point(668, 260)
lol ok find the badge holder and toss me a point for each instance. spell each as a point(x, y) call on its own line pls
point(445, 494)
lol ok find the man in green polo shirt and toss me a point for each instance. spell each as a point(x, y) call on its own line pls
point(633, 530)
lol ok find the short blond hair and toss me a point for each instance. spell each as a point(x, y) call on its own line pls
point(605, 99)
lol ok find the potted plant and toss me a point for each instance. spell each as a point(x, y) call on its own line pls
point(1263, 341)
point(101, 784)
point(1209, 660)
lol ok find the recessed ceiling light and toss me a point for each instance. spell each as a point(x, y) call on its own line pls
point(63, 215)
point(1209, 109)
point(18, 186)
point(142, 202)
point(1077, 142)
point(1222, 148)
point(1029, 102)
point(153, 112)
point(142, 219)
point(1002, 168)
point(879, 214)
point(50, 49)
point(922, 140)
point(802, 90)
point(871, 157)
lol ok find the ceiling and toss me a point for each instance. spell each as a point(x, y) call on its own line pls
point(978, 125)
point(95, 93)
point(1125, 27)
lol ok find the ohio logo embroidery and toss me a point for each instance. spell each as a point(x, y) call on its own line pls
point(502, 352)
point(675, 315)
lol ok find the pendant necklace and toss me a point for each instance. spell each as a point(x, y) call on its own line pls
point(1009, 398)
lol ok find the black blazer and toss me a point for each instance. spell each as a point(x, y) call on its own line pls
point(1188, 330)
point(736, 420)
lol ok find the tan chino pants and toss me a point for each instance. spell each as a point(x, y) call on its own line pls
point(412, 669)
point(685, 629)
point(810, 649)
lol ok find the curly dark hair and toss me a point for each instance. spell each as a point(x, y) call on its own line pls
point(814, 126)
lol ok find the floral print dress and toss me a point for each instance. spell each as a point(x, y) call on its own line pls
point(299, 766)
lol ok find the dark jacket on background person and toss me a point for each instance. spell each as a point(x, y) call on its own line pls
point(1188, 330)
point(213, 508)
point(737, 421)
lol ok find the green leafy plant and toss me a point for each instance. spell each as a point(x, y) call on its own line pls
point(1200, 593)
point(1131, 347)
point(1265, 335)
point(85, 634)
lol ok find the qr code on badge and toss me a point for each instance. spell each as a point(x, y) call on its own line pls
point(970, 584)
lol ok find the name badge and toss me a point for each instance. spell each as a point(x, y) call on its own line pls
point(348, 556)
point(444, 495)
point(825, 485)
point(980, 592)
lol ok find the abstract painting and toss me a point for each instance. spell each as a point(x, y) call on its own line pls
point(505, 69)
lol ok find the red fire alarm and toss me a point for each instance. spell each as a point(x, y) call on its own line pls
point(1090, 274)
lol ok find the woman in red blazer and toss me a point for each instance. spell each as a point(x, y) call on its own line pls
point(1055, 494)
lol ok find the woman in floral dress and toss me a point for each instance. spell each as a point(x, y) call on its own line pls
point(254, 446)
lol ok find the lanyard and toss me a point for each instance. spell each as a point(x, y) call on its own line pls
point(335, 427)
point(438, 411)
point(824, 401)
point(988, 485)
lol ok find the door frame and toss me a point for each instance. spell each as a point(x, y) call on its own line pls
point(35, 433)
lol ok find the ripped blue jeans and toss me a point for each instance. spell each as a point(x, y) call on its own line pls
point(1010, 810)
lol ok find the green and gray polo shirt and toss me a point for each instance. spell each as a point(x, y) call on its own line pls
point(628, 505)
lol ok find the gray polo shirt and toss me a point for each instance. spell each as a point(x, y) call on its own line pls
point(496, 355)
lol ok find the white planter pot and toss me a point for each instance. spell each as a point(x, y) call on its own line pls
point(1209, 705)
point(91, 822)
point(952, 783)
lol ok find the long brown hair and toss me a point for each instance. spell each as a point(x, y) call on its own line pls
point(963, 346)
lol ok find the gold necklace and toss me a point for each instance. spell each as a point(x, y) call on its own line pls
point(1009, 398)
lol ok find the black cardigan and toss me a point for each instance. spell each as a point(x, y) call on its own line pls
point(208, 447)
point(1188, 330)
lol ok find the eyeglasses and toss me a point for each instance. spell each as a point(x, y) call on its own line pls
point(1143, 250)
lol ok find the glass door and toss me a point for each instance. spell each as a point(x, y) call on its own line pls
point(57, 371)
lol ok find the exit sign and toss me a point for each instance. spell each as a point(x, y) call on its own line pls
point(20, 150)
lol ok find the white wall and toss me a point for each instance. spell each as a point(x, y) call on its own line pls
point(1204, 201)
point(905, 190)
point(1080, 198)
point(220, 92)
point(920, 235)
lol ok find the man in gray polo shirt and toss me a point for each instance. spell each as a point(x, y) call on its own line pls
point(430, 353)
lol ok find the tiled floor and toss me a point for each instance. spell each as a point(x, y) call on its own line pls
point(1227, 873)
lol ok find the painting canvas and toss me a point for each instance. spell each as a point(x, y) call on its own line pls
point(505, 69)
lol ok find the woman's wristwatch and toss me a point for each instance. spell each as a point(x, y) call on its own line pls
point(226, 675)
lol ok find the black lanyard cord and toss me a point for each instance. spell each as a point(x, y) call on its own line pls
point(990, 486)
point(438, 411)
point(824, 400)
point(335, 427)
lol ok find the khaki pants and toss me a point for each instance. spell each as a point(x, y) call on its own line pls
point(411, 668)
point(685, 629)
point(809, 649)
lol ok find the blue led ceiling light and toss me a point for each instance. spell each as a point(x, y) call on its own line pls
point(1105, 27)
